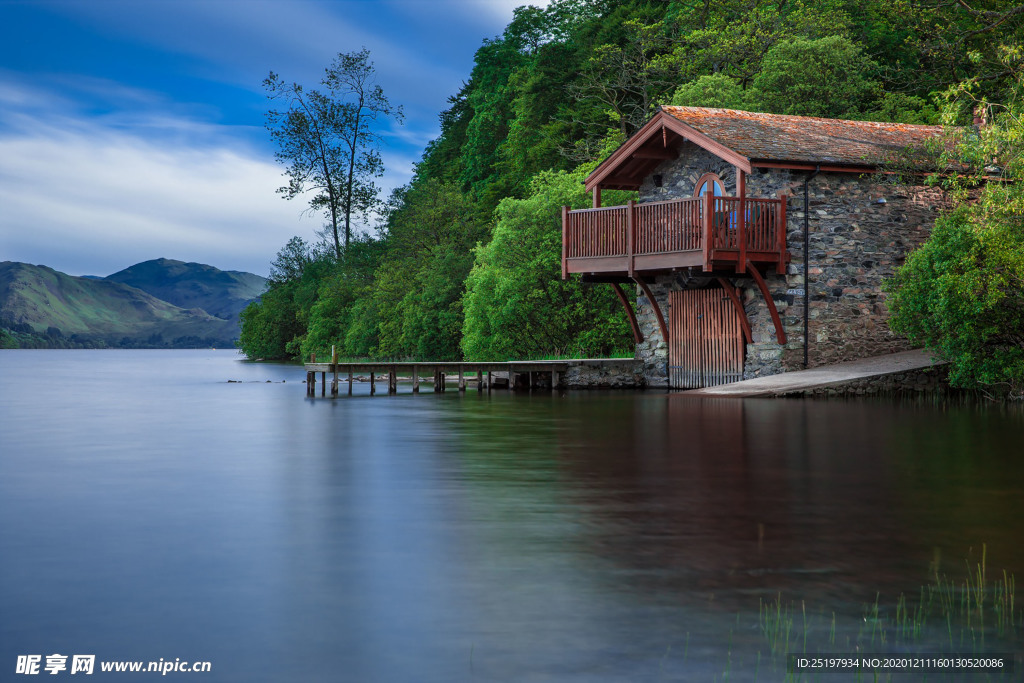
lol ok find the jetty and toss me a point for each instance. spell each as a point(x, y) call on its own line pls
point(511, 375)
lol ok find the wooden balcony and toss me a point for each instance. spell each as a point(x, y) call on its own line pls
point(712, 233)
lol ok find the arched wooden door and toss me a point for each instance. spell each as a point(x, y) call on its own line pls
point(705, 339)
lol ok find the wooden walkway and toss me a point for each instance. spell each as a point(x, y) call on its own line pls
point(525, 374)
point(829, 375)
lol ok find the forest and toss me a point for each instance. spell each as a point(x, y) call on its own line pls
point(464, 263)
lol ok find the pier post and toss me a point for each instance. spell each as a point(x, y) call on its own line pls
point(415, 380)
point(490, 381)
point(392, 380)
point(308, 373)
point(334, 365)
point(479, 380)
point(350, 381)
point(529, 381)
point(462, 380)
point(323, 383)
point(373, 382)
point(511, 378)
point(437, 381)
point(443, 387)
point(554, 380)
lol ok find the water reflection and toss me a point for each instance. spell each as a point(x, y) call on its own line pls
point(582, 536)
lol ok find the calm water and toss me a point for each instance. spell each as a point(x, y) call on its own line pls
point(151, 509)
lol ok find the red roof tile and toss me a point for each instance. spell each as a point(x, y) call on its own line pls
point(776, 137)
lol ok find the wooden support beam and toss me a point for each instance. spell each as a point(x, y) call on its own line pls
point(565, 241)
point(334, 368)
point(373, 382)
point(415, 380)
point(554, 379)
point(654, 304)
point(638, 336)
point(708, 211)
point(350, 382)
point(741, 221)
point(490, 381)
point(630, 232)
point(462, 379)
point(312, 383)
point(323, 383)
point(738, 305)
point(443, 384)
point(780, 334)
point(479, 380)
point(392, 380)
point(597, 196)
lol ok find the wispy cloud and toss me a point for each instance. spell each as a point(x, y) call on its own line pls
point(86, 197)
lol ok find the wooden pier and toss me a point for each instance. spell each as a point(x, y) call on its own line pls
point(516, 375)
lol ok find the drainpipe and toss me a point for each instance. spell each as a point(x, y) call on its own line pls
point(807, 274)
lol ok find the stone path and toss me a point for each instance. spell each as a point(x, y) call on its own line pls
point(828, 375)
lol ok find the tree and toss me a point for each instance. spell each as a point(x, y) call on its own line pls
point(961, 294)
point(329, 141)
point(516, 304)
point(828, 77)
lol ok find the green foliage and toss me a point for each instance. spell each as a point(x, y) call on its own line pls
point(829, 77)
point(517, 305)
point(711, 90)
point(465, 260)
point(962, 293)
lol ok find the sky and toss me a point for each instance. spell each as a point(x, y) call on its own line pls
point(134, 129)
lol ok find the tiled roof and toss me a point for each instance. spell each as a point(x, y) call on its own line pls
point(775, 137)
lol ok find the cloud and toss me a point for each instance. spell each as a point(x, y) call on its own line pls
point(88, 198)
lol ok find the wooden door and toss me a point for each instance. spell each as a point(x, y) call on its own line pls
point(705, 339)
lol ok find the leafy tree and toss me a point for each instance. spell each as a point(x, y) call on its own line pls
point(962, 293)
point(329, 142)
point(517, 305)
point(828, 77)
point(711, 90)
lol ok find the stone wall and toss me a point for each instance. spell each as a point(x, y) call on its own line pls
point(861, 229)
point(924, 381)
point(603, 374)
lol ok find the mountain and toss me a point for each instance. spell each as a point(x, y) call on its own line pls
point(222, 293)
point(42, 306)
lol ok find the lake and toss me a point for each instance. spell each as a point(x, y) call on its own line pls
point(152, 509)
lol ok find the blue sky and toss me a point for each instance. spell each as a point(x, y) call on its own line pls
point(133, 129)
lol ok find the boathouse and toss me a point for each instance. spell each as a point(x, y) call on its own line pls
point(758, 243)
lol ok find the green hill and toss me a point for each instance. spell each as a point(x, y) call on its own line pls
point(40, 306)
point(222, 293)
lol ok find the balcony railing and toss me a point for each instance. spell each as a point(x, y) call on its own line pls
point(703, 231)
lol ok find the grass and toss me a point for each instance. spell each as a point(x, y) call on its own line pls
point(969, 614)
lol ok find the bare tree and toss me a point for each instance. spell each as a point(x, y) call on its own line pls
point(329, 141)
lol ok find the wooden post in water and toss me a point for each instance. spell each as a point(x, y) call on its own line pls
point(479, 380)
point(437, 381)
point(443, 387)
point(334, 365)
point(312, 384)
point(490, 381)
point(350, 381)
point(415, 380)
point(308, 373)
point(392, 380)
point(511, 378)
point(323, 383)
point(462, 380)
point(373, 382)
point(554, 379)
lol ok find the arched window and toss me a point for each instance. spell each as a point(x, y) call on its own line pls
point(709, 183)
